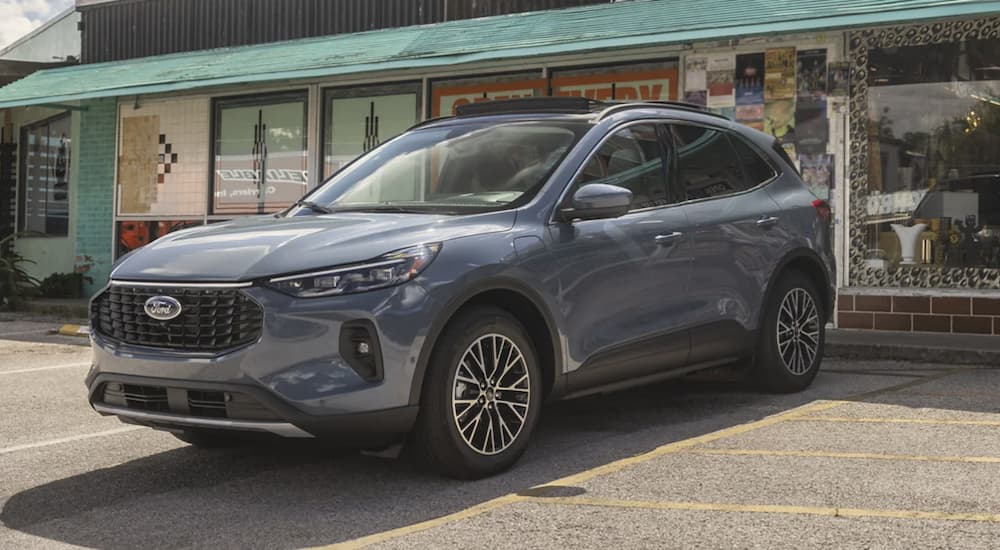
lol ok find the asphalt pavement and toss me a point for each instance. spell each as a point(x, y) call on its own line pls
point(875, 454)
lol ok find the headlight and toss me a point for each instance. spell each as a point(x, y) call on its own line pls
point(391, 269)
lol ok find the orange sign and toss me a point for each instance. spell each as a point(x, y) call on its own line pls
point(657, 85)
point(448, 100)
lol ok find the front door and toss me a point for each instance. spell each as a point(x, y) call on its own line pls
point(622, 282)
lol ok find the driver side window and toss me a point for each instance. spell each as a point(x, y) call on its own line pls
point(631, 158)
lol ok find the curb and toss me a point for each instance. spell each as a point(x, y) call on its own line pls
point(74, 330)
point(912, 353)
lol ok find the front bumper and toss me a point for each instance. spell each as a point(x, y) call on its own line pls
point(294, 376)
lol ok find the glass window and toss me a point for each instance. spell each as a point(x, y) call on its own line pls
point(707, 165)
point(454, 169)
point(45, 163)
point(632, 158)
point(359, 119)
point(934, 162)
point(260, 154)
point(134, 234)
point(755, 168)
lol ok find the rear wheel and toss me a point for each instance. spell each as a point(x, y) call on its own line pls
point(480, 398)
point(792, 336)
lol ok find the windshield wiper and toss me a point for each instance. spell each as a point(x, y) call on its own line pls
point(384, 208)
point(313, 206)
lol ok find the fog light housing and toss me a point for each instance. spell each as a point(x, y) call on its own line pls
point(359, 347)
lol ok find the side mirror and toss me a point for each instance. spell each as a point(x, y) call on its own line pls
point(596, 201)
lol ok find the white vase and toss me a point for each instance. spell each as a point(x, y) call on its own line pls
point(908, 237)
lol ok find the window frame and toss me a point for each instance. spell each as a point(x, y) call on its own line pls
point(22, 175)
point(250, 100)
point(730, 135)
point(666, 151)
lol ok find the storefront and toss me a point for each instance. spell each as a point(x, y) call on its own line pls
point(924, 250)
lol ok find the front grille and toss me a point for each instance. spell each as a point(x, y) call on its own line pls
point(207, 403)
point(144, 398)
point(211, 319)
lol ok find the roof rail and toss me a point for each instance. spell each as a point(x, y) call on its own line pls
point(623, 106)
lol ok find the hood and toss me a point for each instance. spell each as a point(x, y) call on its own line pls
point(251, 248)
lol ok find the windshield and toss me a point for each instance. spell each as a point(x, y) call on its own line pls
point(457, 169)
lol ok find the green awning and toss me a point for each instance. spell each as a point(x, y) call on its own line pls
point(639, 23)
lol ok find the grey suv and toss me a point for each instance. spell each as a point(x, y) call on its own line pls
point(441, 287)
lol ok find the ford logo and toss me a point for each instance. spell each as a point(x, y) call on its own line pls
point(162, 308)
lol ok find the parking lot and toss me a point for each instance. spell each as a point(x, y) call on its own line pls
point(884, 455)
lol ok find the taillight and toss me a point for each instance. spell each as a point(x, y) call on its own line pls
point(822, 209)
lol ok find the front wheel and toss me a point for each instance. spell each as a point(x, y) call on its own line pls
point(792, 336)
point(481, 396)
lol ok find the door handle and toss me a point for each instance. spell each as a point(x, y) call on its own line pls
point(767, 222)
point(669, 239)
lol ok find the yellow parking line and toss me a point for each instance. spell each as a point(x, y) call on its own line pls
point(675, 447)
point(876, 420)
point(993, 395)
point(424, 525)
point(861, 456)
point(769, 509)
point(685, 444)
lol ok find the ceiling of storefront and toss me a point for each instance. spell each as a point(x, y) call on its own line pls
point(641, 23)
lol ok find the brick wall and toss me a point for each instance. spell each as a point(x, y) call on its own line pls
point(95, 193)
point(958, 314)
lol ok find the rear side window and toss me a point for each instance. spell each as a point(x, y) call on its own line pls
point(756, 169)
point(707, 165)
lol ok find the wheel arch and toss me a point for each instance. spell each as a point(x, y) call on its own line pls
point(520, 301)
point(807, 262)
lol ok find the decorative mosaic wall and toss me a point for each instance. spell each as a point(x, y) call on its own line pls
point(861, 42)
point(163, 158)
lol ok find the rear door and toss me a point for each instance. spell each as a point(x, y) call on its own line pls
point(736, 236)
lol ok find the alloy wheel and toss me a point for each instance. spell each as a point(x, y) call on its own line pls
point(798, 331)
point(491, 394)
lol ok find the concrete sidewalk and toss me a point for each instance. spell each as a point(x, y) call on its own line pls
point(921, 347)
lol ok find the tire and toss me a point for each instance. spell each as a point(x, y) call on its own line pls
point(447, 436)
point(788, 362)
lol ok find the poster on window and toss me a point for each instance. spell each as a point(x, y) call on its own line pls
point(838, 78)
point(750, 79)
point(695, 73)
point(811, 74)
point(721, 69)
point(779, 74)
point(818, 173)
point(651, 85)
point(779, 119)
point(447, 99)
point(356, 125)
point(751, 115)
point(812, 127)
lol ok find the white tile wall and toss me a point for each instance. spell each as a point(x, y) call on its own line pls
point(186, 124)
